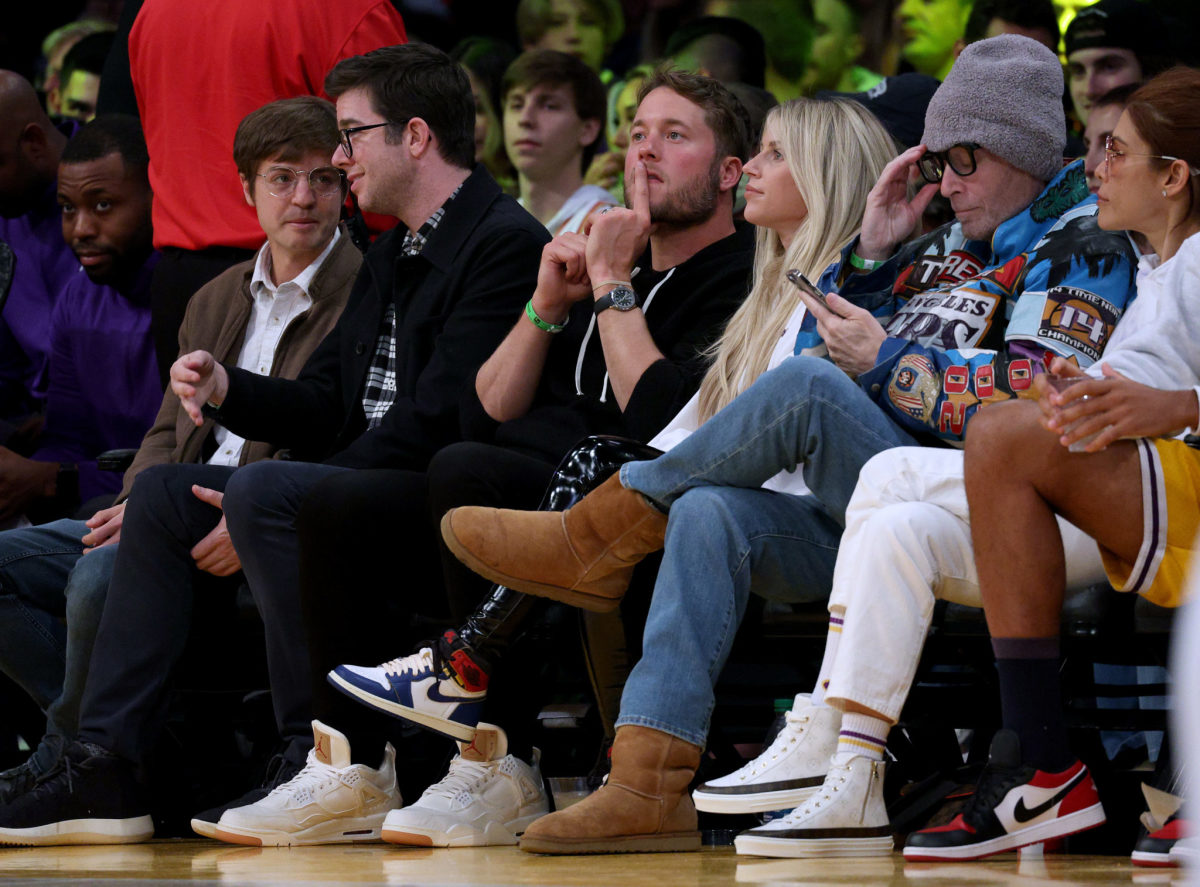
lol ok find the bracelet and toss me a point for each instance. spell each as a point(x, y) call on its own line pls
point(543, 325)
point(864, 264)
point(611, 283)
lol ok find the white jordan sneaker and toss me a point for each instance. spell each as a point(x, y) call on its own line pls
point(330, 801)
point(487, 798)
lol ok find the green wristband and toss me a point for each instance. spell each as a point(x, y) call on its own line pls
point(542, 324)
point(864, 264)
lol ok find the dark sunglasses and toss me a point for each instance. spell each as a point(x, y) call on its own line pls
point(960, 158)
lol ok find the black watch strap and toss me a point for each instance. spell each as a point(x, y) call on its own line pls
point(622, 298)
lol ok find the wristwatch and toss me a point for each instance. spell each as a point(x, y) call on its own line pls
point(620, 297)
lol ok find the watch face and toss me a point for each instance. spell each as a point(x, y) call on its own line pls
point(623, 298)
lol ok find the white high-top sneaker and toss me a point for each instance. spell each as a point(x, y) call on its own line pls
point(488, 797)
point(845, 817)
point(789, 770)
point(330, 801)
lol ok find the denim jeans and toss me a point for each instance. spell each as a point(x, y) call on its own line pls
point(51, 599)
point(727, 537)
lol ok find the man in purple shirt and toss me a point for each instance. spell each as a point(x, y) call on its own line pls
point(40, 262)
point(103, 388)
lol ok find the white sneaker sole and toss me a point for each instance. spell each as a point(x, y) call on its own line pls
point(204, 828)
point(82, 831)
point(1059, 827)
point(798, 848)
point(761, 802)
point(334, 831)
point(423, 719)
point(494, 834)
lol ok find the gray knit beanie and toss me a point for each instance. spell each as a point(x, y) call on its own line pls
point(1005, 94)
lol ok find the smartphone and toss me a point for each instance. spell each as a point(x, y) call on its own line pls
point(806, 286)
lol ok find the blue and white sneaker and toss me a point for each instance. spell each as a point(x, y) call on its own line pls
point(443, 693)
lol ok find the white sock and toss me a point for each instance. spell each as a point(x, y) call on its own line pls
point(861, 735)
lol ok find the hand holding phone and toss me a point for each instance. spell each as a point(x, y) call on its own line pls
point(806, 286)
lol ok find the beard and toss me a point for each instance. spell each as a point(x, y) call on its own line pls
point(690, 204)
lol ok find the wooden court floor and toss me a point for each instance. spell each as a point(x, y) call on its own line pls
point(178, 862)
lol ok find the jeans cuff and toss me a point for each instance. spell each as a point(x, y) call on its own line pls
point(695, 738)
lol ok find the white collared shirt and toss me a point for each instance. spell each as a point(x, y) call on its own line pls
point(273, 310)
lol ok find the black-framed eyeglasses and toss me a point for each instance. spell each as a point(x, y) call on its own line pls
point(348, 146)
point(1113, 153)
point(960, 158)
point(323, 181)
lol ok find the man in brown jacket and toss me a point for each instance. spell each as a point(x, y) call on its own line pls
point(267, 315)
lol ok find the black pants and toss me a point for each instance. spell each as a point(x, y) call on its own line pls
point(177, 276)
point(370, 560)
point(148, 613)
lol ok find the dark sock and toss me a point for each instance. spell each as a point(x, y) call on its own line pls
point(1031, 700)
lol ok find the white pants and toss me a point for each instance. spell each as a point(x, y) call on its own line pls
point(907, 544)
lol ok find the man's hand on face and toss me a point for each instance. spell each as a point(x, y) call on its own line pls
point(23, 481)
point(617, 236)
point(197, 379)
point(890, 217)
point(214, 553)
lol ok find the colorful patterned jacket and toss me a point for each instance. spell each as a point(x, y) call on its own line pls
point(970, 323)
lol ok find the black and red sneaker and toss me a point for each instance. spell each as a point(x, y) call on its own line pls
point(1154, 849)
point(1014, 805)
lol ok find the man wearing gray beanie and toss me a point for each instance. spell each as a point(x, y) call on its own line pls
point(977, 308)
point(973, 310)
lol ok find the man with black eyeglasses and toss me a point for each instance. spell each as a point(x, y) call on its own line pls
point(974, 310)
point(432, 300)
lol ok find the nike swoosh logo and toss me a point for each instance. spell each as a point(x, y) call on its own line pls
point(435, 695)
point(1021, 813)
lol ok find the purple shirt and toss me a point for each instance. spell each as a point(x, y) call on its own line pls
point(44, 264)
point(104, 389)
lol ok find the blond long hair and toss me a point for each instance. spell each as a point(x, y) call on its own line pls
point(835, 150)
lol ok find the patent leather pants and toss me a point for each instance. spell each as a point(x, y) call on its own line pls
point(503, 614)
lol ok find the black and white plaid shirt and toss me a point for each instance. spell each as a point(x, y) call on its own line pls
point(380, 390)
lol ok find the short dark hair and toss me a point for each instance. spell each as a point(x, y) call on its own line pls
point(88, 54)
point(288, 128)
point(533, 19)
point(110, 134)
point(548, 67)
point(724, 114)
point(415, 80)
point(1028, 14)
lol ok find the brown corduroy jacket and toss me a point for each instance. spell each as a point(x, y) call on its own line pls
point(216, 322)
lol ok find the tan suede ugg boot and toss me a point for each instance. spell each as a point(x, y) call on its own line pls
point(583, 556)
point(643, 808)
